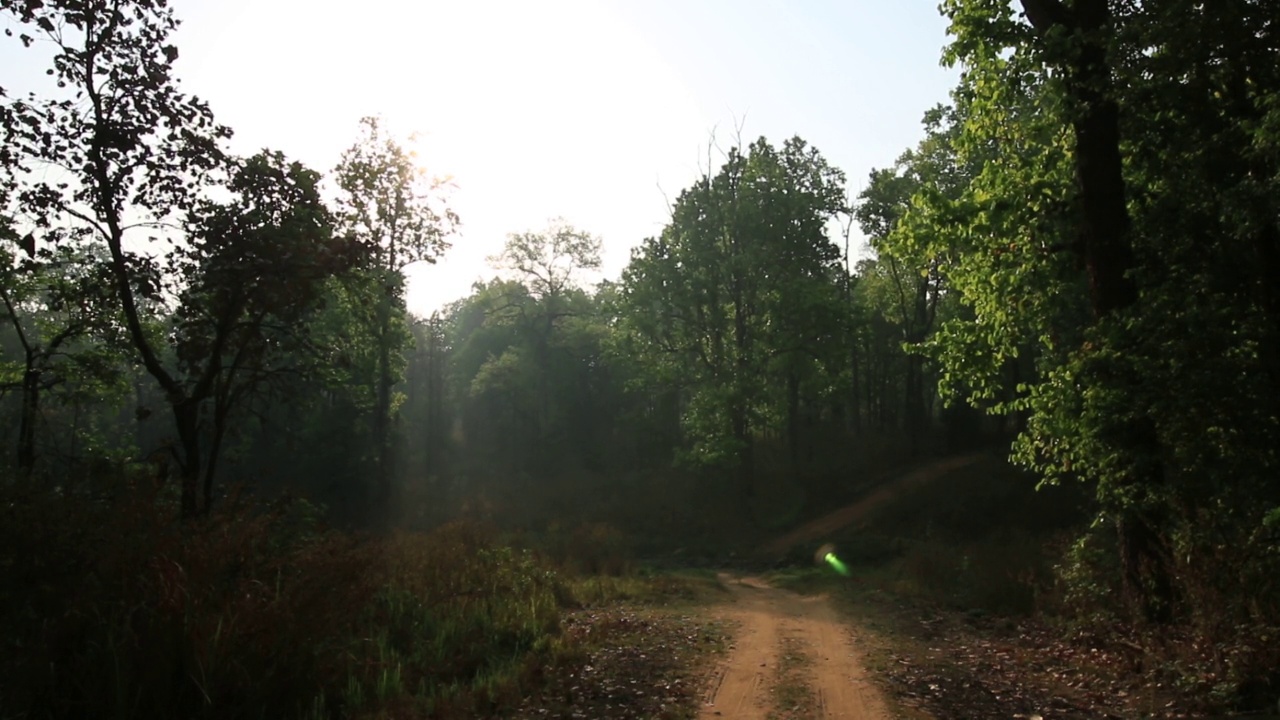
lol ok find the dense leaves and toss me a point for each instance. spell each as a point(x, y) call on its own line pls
point(741, 286)
point(1114, 253)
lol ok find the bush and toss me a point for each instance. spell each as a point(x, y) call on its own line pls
point(592, 548)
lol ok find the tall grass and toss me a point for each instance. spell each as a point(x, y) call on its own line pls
point(111, 609)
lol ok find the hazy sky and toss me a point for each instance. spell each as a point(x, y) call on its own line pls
point(589, 110)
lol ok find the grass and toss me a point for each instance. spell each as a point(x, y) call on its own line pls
point(113, 609)
point(792, 696)
point(645, 587)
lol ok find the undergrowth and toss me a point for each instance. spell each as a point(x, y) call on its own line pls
point(111, 608)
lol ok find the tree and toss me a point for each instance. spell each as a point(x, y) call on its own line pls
point(547, 265)
point(389, 204)
point(1075, 200)
point(549, 262)
point(129, 152)
point(1118, 232)
point(530, 380)
point(254, 274)
point(739, 287)
point(126, 151)
point(426, 380)
point(61, 315)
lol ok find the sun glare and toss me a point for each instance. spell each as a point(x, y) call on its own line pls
point(534, 110)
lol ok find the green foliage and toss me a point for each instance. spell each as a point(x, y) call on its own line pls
point(388, 205)
point(139, 154)
point(67, 351)
point(547, 262)
point(740, 286)
point(1084, 244)
point(1163, 399)
point(527, 366)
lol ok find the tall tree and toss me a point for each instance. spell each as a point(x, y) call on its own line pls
point(1122, 186)
point(253, 275)
point(548, 265)
point(122, 149)
point(737, 289)
point(389, 203)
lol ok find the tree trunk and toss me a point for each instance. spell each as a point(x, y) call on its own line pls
point(1144, 567)
point(435, 411)
point(1106, 245)
point(746, 450)
point(855, 389)
point(27, 426)
point(382, 422)
point(914, 402)
point(742, 346)
point(221, 411)
point(186, 415)
point(382, 479)
point(793, 418)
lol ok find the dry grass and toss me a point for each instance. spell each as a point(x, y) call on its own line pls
point(110, 608)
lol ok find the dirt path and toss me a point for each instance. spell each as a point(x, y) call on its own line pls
point(784, 640)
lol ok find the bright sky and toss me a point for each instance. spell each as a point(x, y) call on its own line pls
point(585, 109)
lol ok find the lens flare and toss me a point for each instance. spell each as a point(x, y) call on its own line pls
point(835, 563)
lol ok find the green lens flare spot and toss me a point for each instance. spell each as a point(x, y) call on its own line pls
point(835, 563)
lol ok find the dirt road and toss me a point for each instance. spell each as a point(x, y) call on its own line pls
point(792, 657)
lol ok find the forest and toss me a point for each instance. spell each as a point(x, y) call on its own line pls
point(239, 478)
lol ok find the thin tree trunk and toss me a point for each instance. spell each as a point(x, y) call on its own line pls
point(221, 411)
point(855, 389)
point(186, 415)
point(382, 422)
point(793, 418)
point(27, 426)
point(914, 401)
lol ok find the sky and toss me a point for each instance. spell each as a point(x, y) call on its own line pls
point(597, 111)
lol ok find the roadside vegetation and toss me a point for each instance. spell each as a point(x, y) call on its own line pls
point(265, 611)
